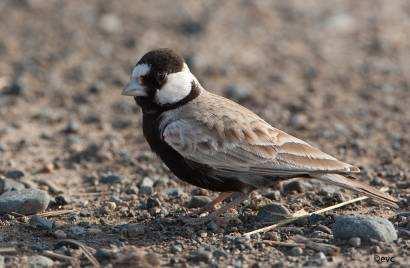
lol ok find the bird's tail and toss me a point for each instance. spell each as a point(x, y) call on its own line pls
point(353, 184)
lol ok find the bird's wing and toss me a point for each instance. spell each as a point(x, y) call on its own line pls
point(247, 146)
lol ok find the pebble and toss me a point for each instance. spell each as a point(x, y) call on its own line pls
point(190, 27)
point(273, 195)
point(38, 261)
point(299, 121)
point(320, 258)
point(135, 229)
point(111, 179)
point(146, 186)
point(62, 200)
point(153, 202)
point(212, 226)
point(77, 231)
point(198, 201)
point(237, 93)
point(60, 234)
point(104, 254)
point(110, 23)
point(41, 223)
point(377, 181)
point(71, 127)
point(174, 192)
point(14, 174)
point(14, 89)
point(7, 185)
point(176, 248)
point(219, 253)
point(355, 242)
point(365, 227)
point(272, 213)
point(297, 186)
point(201, 255)
point(26, 201)
point(296, 251)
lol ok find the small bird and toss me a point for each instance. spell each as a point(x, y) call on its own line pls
point(214, 143)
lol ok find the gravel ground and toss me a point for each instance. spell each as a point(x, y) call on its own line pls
point(336, 73)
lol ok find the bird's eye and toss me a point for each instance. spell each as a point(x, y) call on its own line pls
point(160, 78)
point(141, 80)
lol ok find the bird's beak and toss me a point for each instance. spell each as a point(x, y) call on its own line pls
point(134, 88)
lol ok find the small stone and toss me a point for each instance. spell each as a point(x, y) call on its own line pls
point(364, 227)
point(377, 181)
point(273, 213)
point(146, 186)
point(174, 192)
point(198, 201)
point(104, 254)
point(111, 206)
point(161, 181)
point(26, 201)
point(121, 123)
point(135, 229)
point(60, 234)
point(219, 253)
point(273, 195)
point(110, 23)
point(41, 223)
point(299, 121)
point(111, 179)
point(237, 93)
point(320, 258)
point(212, 226)
point(14, 89)
point(93, 231)
point(355, 242)
point(296, 251)
point(14, 174)
point(7, 185)
point(77, 231)
point(71, 127)
point(38, 261)
point(190, 27)
point(201, 256)
point(297, 186)
point(153, 202)
point(62, 200)
point(176, 248)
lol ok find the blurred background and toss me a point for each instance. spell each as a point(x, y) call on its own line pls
point(336, 73)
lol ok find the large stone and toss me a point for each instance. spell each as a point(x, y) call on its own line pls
point(272, 213)
point(38, 261)
point(7, 185)
point(26, 202)
point(364, 227)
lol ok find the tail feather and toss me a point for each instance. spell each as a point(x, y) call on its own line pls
point(353, 184)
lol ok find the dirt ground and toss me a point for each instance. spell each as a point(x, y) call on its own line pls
point(335, 73)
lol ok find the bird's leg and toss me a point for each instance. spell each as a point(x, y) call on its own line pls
point(238, 197)
point(211, 205)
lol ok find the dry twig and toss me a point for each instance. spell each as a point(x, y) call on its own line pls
point(85, 249)
point(295, 218)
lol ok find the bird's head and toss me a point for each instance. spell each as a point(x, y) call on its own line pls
point(161, 77)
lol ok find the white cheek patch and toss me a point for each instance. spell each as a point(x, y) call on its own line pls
point(176, 88)
point(140, 70)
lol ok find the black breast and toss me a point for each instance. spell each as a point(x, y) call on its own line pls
point(194, 173)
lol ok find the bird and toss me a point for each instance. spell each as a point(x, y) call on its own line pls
point(215, 143)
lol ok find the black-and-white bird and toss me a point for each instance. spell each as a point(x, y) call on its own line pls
point(214, 143)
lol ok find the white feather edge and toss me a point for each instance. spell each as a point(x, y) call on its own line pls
point(177, 87)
